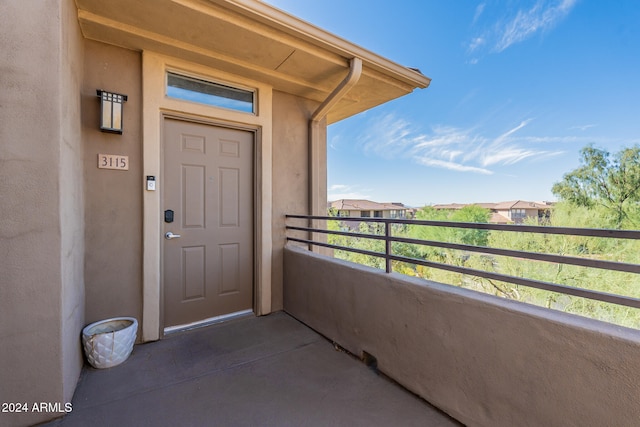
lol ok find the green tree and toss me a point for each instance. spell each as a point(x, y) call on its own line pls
point(611, 181)
point(363, 243)
point(469, 236)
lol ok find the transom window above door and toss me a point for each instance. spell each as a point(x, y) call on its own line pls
point(210, 93)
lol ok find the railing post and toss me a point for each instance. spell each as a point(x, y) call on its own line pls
point(387, 246)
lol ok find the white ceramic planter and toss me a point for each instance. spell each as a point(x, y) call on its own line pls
point(109, 342)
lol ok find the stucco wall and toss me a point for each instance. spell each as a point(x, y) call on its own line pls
point(71, 197)
point(113, 212)
point(290, 174)
point(484, 360)
point(41, 226)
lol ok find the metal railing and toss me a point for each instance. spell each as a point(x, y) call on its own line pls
point(389, 256)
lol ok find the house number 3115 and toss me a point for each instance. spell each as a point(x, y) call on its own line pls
point(113, 161)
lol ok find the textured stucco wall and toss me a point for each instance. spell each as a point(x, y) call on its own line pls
point(71, 197)
point(484, 360)
point(41, 226)
point(290, 174)
point(113, 212)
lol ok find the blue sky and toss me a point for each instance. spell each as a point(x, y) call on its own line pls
point(518, 88)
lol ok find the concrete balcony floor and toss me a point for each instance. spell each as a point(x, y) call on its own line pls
point(255, 371)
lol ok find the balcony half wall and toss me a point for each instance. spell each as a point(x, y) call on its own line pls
point(483, 360)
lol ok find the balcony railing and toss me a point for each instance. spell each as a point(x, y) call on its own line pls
point(312, 236)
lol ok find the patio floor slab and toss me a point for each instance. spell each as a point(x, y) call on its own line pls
point(255, 371)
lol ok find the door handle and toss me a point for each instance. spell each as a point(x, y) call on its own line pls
point(169, 235)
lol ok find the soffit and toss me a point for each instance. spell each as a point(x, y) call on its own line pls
point(251, 39)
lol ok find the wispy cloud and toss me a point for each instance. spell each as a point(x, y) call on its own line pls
point(338, 187)
point(526, 23)
point(479, 10)
point(343, 191)
point(476, 43)
point(583, 127)
point(447, 147)
point(388, 136)
point(451, 165)
point(517, 26)
point(510, 156)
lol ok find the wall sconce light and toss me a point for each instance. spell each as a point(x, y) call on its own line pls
point(111, 111)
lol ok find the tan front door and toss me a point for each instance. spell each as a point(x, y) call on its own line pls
point(208, 189)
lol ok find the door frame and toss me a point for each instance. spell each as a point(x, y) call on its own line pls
point(155, 107)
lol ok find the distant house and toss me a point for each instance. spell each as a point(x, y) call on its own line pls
point(519, 210)
point(356, 208)
point(512, 212)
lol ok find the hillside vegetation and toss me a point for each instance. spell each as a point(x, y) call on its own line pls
point(604, 193)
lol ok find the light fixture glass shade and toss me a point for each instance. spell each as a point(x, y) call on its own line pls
point(111, 107)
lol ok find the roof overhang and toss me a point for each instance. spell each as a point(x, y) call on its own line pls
point(254, 40)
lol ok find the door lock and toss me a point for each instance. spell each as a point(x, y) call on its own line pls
point(169, 235)
point(168, 216)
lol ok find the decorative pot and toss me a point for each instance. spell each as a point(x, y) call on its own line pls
point(109, 342)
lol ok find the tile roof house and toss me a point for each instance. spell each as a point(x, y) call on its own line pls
point(366, 208)
point(511, 212)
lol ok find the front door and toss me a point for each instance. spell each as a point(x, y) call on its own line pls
point(208, 221)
